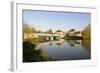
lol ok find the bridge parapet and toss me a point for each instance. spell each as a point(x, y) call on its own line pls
point(42, 34)
point(47, 36)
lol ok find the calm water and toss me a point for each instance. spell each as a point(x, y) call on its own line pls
point(65, 50)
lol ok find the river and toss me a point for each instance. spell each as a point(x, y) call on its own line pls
point(64, 50)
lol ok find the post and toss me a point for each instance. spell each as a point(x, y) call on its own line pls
point(47, 38)
point(51, 38)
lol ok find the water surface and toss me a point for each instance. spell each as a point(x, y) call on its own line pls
point(65, 50)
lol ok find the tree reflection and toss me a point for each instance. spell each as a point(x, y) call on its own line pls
point(74, 42)
point(86, 43)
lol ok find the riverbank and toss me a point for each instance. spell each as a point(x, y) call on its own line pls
point(32, 55)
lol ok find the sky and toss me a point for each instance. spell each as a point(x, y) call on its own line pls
point(64, 21)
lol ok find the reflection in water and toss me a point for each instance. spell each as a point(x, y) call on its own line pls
point(74, 42)
point(50, 43)
point(59, 42)
point(32, 55)
point(86, 44)
point(57, 50)
point(43, 55)
point(78, 42)
point(65, 50)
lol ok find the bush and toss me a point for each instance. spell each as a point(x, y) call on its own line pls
point(28, 51)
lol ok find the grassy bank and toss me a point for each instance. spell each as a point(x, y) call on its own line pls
point(32, 55)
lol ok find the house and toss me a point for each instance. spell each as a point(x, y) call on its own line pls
point(77, 34)
point(61, 33)
point(71, 32)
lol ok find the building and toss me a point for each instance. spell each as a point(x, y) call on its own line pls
point(77, 34)
point(61, 33)
point(73, 33)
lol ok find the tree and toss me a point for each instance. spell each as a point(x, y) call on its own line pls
point(33, 30)
point(28, 29)
point(72, 29)
point(50, 31)
point(86, 33)
point(39, 31)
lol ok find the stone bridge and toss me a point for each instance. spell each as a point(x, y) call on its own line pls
point(50, 37)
